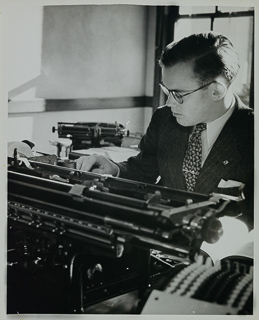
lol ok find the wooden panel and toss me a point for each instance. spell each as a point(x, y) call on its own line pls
point(40, 105)
point(95, 103)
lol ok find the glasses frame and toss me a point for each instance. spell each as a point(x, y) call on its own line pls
point(177, 96)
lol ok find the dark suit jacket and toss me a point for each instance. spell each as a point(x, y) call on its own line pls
point(164, 145)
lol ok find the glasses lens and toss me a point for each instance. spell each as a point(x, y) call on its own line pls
point(164, 89)
point(177, 97)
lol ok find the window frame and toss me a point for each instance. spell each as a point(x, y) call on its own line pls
point(166, 20)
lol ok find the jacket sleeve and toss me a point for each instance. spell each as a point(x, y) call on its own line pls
point(144, 167)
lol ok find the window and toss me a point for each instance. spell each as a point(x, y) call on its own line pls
point(235, 22)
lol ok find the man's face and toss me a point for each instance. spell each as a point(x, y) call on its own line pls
point(196, 107)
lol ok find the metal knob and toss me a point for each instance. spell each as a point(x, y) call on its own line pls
point(212, 230)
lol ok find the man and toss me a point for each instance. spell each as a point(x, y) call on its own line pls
point(197, 77)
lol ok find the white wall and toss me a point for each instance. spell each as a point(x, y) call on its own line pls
point(70, 52)
point(23, 36)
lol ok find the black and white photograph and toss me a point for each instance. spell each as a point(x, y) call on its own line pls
point(128, 165)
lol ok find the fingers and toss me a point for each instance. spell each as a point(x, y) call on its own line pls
point(97, 164)
point(86, 163)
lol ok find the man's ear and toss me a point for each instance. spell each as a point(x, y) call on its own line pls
point(219, 90)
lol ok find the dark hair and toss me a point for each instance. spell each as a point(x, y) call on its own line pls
point(212, 55)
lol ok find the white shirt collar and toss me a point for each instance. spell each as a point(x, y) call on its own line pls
point(214, 128)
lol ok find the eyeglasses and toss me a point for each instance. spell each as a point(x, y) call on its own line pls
point(179, 97)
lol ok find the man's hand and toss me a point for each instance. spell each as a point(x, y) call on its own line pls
point(97, 164)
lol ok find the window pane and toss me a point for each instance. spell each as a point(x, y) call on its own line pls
point(196, 9)
point(185, 27)
point(236, 29)
point(234, 9)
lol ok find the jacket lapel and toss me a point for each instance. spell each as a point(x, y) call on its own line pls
point(223, 157)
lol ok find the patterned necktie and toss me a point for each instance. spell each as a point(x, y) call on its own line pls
point(192, 160)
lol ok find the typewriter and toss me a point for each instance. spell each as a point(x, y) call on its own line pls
point(86, 135)
point(76, 238)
